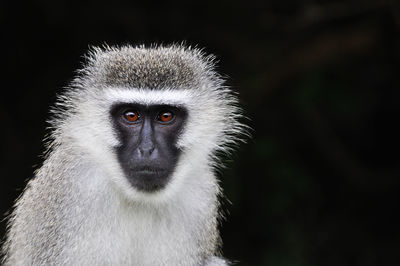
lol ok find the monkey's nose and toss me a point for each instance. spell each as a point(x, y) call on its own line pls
point(146, 151)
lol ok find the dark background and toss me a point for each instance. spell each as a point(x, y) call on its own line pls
point(318, 184)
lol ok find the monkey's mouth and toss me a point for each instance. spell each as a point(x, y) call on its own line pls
point(147, 170)
point(148, 179)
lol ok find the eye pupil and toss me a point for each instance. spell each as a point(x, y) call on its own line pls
point(131, 116)
point(166, 116)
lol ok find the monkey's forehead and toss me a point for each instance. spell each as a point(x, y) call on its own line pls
point(157, 67)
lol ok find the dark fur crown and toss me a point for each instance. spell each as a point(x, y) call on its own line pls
point(153, 68)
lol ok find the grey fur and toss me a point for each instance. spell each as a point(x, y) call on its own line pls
point(169, 67)
point(78, 211)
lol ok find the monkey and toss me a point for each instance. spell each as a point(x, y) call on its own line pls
point(129, 177)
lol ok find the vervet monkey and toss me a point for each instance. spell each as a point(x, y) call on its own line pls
point(129, 174)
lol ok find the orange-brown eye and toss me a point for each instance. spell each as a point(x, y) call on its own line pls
point(131, 116)
point(165, 116)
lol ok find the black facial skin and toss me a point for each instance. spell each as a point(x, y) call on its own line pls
point(148, 152)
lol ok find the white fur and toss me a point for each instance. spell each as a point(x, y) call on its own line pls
point(148, 97)
point(101, 227)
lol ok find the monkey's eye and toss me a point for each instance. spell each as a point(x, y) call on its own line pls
point(165, 116)
point(131, 116)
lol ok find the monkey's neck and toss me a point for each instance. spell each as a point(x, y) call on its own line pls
point(179, 230)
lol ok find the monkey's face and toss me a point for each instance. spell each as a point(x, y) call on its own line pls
point(148, 150)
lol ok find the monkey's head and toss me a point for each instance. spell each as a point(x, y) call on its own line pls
point(150, 118)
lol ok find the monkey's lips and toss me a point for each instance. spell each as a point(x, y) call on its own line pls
point(147, 170)
point(148, 179)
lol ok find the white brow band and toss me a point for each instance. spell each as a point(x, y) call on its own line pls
point(149, 97)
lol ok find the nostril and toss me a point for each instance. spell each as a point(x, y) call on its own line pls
point(146, 151)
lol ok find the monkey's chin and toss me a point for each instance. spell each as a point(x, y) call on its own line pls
point(148, 180)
